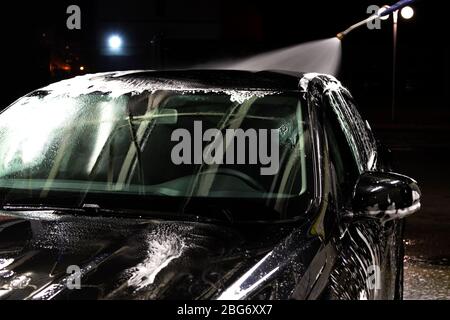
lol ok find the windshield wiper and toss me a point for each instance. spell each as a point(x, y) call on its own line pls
point(138, 151)
point(85, 209)
point(95, 210)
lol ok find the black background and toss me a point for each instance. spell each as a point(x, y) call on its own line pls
point(174, 33)
point(162, 34)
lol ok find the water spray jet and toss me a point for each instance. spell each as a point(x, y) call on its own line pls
point(321, 56)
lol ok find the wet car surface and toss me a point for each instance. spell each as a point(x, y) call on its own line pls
point(122, 258)
point(333, 230)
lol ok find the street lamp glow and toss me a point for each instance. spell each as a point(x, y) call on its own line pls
point(407, 13)
point(115, 42)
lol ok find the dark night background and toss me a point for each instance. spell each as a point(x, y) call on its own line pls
point(37, 49)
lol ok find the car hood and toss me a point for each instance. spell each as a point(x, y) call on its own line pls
point(44, 255)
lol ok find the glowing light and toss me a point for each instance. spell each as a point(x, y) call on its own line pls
point(407, 13)
point(115, 42)
point(82, 68)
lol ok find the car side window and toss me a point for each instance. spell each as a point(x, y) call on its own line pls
point(356, 130)
point(342, 161)
point(361, 129)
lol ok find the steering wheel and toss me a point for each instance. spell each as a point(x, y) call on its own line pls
point(250, 181)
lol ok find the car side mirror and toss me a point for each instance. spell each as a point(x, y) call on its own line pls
point(385, 196)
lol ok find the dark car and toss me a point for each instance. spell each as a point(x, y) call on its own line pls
point(198, 185)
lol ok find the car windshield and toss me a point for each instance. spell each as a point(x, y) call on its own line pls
point(161, 144)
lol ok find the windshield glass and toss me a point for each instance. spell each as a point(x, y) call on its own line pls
point(160, 144)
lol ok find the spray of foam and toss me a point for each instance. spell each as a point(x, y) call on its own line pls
point(322, 56)
point(116, 86)
point(162, 248)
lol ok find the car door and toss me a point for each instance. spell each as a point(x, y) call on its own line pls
point(363, 267)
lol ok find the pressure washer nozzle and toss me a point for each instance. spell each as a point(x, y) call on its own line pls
point(399, 5)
